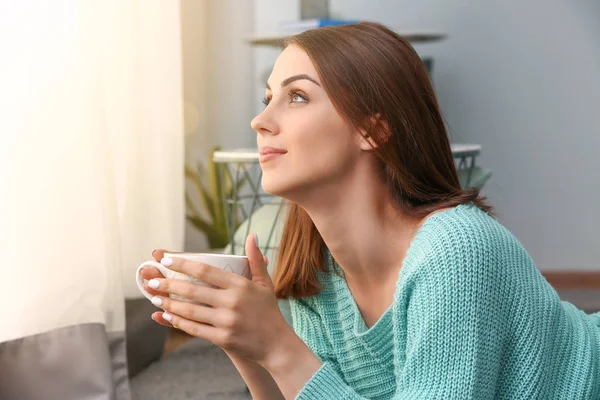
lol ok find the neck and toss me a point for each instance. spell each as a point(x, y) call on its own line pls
point(365, 233)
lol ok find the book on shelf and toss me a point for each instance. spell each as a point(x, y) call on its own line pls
point(303, 24)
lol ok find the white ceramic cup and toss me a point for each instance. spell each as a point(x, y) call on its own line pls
point(228, 262)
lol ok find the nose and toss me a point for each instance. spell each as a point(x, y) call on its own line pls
point(264, 123)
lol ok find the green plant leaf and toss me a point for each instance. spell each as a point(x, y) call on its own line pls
point(202, 191)
point(209, 203)
point(193, 176)
point(216, 238)
point(212, 195)
point(190, 205)
point(239, 185)
point(228, 184)
point(216, 187)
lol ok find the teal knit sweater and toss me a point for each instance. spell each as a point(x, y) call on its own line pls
point(472, 318)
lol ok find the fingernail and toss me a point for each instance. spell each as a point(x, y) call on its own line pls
point(166, 261)
point(167, 317)
point(153, 251)
point(157, 301)
point(256, 240)
point(153, 283)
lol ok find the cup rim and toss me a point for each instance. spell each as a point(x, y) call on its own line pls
point(218, 255)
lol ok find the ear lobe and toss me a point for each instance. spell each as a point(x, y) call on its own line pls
point(377, 126)
point(366, 141)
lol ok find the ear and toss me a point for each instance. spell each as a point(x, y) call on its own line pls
point(375, 126)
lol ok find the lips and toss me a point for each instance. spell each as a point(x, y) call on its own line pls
point(268, 153)
point(271, 150)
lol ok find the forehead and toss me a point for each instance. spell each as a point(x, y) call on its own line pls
point(292, 61)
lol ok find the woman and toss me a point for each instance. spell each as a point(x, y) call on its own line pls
point(402, 285)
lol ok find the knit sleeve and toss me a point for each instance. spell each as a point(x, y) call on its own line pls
point(450, 332)
point(456, 324)
point(308, 326)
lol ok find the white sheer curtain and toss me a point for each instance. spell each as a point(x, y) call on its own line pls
point(91, 157)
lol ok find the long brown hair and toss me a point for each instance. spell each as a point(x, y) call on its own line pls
point(367, 70)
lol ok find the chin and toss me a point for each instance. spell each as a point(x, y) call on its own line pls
point(273, 186)
point(279, 186)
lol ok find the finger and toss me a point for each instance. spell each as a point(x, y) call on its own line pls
point(158, 317)
point(203, 272)
point(266, 260)
point(258, 265)
point(151, 291)
point(192, 328)
point(188, 290)
point(158, 254)
point(187, 310)
point(150, 273)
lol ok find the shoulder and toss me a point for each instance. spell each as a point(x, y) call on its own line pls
point(457, 274)
point(461, 246)
point(466, 231)
point(465, 228)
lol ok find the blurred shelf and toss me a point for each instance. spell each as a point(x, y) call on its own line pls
point(465, 149)
point(275, 39)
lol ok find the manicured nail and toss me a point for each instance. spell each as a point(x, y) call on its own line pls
point(256, 240)
point(166, 261)
point(157, 301)
point(153, 283)
point(167, 317)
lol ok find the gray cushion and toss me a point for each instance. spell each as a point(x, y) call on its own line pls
point(145, 338)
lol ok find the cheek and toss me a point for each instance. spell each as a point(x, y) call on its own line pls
point(305, 170)
point(321, 148)
point(317, 154)
point(322, 155)
point(318, 144)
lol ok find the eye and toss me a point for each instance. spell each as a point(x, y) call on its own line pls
point(266, 101)
point(296, 97)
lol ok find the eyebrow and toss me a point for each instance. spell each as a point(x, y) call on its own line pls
point(298, 77)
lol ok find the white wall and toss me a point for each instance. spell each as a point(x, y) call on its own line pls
point(267, 15)
point(523, 80)
point(218, 72)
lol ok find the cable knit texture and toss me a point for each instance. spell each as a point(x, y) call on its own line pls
point(472, 318)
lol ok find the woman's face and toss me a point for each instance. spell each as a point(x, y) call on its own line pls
point(304, 142)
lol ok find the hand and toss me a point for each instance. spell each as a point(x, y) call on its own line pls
point(149, 273)
point(240, 315)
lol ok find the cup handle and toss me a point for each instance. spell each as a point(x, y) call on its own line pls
point(140, 281)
